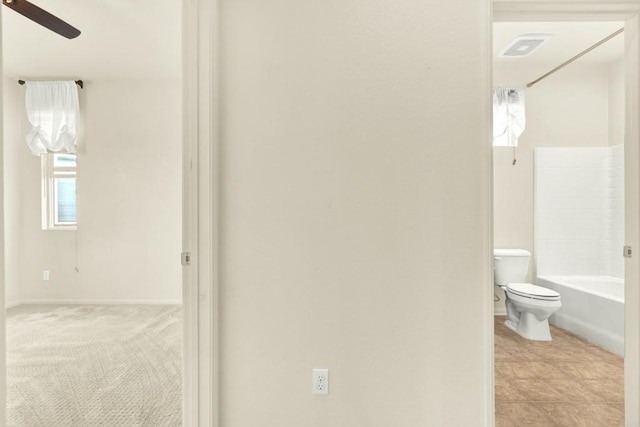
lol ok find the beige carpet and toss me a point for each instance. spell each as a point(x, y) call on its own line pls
point(94, 365)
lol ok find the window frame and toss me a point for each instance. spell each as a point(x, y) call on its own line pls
point(51, 172)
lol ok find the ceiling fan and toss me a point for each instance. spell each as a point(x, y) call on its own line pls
point(42, 17)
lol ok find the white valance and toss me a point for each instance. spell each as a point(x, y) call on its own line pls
point(52, 110)
point(508, 116)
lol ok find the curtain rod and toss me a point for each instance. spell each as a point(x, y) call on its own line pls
point(584, 52)
point(78, 82)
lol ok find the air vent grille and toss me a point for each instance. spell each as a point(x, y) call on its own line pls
point(524, 45)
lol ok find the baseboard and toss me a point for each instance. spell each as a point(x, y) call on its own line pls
point(93, 302)
point(12, 304)
point(499, 311)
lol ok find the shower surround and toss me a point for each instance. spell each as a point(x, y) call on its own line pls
point(578, 233)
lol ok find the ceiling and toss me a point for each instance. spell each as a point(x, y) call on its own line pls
point(120, 40)
point(569, 39)
point(141, 39)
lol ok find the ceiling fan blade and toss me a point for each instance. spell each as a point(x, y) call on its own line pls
point(43, 18)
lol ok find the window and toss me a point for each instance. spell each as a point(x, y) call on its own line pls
point(59, 208)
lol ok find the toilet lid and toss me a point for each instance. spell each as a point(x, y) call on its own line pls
point(532, 291)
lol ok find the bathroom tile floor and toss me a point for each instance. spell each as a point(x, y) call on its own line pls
point(564, 382)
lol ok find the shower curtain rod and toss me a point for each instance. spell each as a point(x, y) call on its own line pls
point(584, 52)
point(78, 82)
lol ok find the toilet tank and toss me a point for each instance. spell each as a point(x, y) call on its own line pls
point(510, 266)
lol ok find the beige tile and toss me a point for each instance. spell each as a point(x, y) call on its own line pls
point(565, 382)
point(574, 344)
point(591, 370)
point(522, 413)
point(522, 353)
point(507, 391)
point(558, 334)
point(565, 353)
point(609, 390)
point(538, 390)
point(552, 355)
point(594, 354)
point(604, 355)
point(507, 338)
point(505, 341)
point(562, 413)
point(582, 414)
point(601, 414)
point(530, 369)
point(557, 390)
point(503, 422)
point(501, 354)
point(575, 390)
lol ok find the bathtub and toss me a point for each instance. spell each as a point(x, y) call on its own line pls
point(592, 307)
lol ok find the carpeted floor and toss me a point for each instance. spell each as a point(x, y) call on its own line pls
point(94, 365)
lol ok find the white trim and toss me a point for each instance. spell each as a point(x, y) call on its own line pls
point(53, 301)
point(213, 311)
point(190, 397)
point(200, 203)
point(608, 11)
point(632, 224)
point(207, 199)
point(523, 11)
point(3, 330)
point(486, 75)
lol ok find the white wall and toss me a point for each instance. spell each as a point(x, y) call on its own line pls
point(616, 102)
point(12, 195)
point(128, 242)
point(568, 109)
point(353, 225)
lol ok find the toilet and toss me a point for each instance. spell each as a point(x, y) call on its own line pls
point(528, 306)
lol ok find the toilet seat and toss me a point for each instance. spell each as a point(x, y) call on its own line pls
point(528, 290)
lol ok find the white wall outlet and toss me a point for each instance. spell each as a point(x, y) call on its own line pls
point(320, 381)
point(45, 275)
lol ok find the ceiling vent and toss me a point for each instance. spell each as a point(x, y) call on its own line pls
point(524, 45)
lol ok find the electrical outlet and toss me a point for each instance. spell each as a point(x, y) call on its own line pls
point(45, 275)
point(320, 381)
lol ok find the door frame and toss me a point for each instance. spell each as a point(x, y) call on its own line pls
point(200, 212)
point(629, 13)
point(199, 218)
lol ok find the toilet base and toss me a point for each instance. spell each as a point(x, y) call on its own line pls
point(530, 327)
point(511, 325)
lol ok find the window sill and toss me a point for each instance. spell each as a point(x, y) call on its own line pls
point(68, 228)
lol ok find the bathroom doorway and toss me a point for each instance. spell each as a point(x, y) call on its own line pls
point(576, 114)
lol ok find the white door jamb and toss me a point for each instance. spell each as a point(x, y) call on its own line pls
point(200, 208)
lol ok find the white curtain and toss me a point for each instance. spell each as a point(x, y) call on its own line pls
point(508, 116)
point(52, 110)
